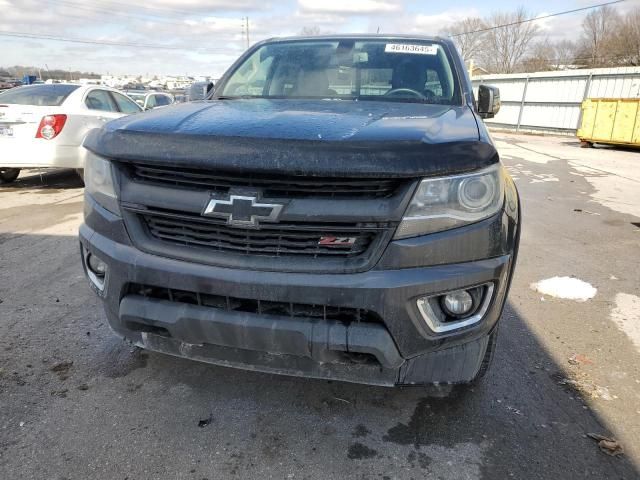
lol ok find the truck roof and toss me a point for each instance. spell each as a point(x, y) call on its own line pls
point(359, 36)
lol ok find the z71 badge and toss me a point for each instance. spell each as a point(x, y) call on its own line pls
point(337, 241)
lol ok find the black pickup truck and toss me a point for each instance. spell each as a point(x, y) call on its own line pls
point(335, 209)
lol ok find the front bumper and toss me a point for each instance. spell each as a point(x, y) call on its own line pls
point(403, 349)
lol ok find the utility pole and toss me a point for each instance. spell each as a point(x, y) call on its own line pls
point(245, 30)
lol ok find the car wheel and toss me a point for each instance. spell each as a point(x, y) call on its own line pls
point(8, 175)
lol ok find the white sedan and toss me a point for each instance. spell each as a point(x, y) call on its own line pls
point(45, 125)
point(150, 100)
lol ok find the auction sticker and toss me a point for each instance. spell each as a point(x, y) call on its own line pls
point(408, 48)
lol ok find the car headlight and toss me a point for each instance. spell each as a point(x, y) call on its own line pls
point(99, 183)
point(449, 202)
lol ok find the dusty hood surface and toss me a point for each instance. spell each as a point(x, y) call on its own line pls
point(319, 137)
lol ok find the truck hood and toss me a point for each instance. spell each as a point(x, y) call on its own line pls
point(319, 137)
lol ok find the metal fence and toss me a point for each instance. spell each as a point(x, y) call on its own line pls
point(550, 101)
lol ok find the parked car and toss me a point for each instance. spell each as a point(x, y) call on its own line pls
point(198, 91)
point(150, 100)
point(349, 220)
point(179, 98)
point(45, 125)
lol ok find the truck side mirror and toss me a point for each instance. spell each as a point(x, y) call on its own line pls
point(488, 101)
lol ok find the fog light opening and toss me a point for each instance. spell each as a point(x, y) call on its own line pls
point(457, 303)
point(96, 270)
point(456, 309)
point(97, 266)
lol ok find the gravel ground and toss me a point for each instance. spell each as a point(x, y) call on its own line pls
point(78, 403)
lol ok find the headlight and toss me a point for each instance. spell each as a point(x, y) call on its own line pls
point(449, 202)
point(98, 182)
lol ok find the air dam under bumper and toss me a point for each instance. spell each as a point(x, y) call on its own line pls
point(405, 352)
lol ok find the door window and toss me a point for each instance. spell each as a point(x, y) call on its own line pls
point(125, 105)
point(151, 102)
point(162, 100)
point(100, 100)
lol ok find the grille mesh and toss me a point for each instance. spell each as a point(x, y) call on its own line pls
point(311, 240)
point(261, 307)
point(273, 186)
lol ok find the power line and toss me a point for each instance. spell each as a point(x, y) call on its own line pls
point(145, 12)
point(566, 12)
point(132, 15)
point(579, 59)
point(105, 9)
point(142, 8)
point(171, 19)
point(600, 62)
point(154, 8)
point(87, 41)
point(169, 47)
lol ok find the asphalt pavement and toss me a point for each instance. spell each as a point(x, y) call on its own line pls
point(78, 403)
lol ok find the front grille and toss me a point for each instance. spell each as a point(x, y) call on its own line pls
point(283, 239)
point(274, 186)
point(261, 307)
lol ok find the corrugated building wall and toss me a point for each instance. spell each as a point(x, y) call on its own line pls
point(550, 101)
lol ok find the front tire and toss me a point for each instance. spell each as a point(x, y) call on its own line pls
point(8, 175)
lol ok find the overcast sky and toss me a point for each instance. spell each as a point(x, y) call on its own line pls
point(208, 33)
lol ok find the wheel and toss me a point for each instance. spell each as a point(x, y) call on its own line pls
point(8, 175)
point(585, 144)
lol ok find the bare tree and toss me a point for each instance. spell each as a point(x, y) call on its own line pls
point(508, 42)
point(598, 30)
point(541, 57)
point(468, 35)
point(565, 53)
point(625, 41)
point(631, 33)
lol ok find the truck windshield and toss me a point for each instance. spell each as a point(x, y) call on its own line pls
point(402, 70)
point(40, 95)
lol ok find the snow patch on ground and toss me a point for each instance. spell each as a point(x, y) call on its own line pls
point(518, 172)
point(626, 314)
point(618, 193)
point(565, 287)
point(510, 151)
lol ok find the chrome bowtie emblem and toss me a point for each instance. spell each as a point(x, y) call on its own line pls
point(243, 211)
